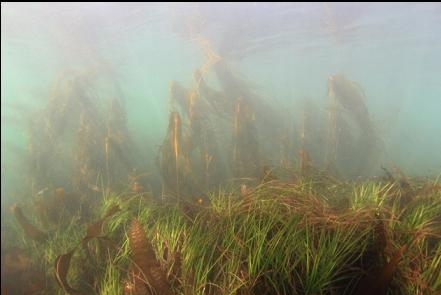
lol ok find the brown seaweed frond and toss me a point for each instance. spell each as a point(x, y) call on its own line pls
point(62, 264)
point(94, 230)
point(147, 270)
point(28, 228)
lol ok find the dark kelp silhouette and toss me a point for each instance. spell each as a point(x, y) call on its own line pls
point(364, 150)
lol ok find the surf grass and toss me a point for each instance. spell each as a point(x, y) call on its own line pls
point(279, 238)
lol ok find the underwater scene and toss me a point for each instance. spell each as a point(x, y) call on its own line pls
point(221, 148)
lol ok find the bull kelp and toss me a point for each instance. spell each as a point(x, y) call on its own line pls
point(202, 149)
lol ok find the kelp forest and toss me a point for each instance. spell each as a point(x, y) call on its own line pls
point(241, 196)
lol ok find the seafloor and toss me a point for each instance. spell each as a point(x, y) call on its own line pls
point(306, 235)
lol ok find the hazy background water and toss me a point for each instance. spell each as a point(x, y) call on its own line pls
point(287, 50)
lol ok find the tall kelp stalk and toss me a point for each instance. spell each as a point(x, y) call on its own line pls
point(89, 155)
point(204, 155)
point(361, 151)
point(203, 106)
point(340, 142)
point(267, 118)
point(173, 159)
point(224, 104)
point(39, 151)
point(119, 149)
point(289, 143)
point(196, 113)
point(312, 132)
point(208, 121)
point(71, 111)
point(46, 128)
point(72, 135)
point(245, 158)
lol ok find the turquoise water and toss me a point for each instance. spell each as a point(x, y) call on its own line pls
point(286, 51)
